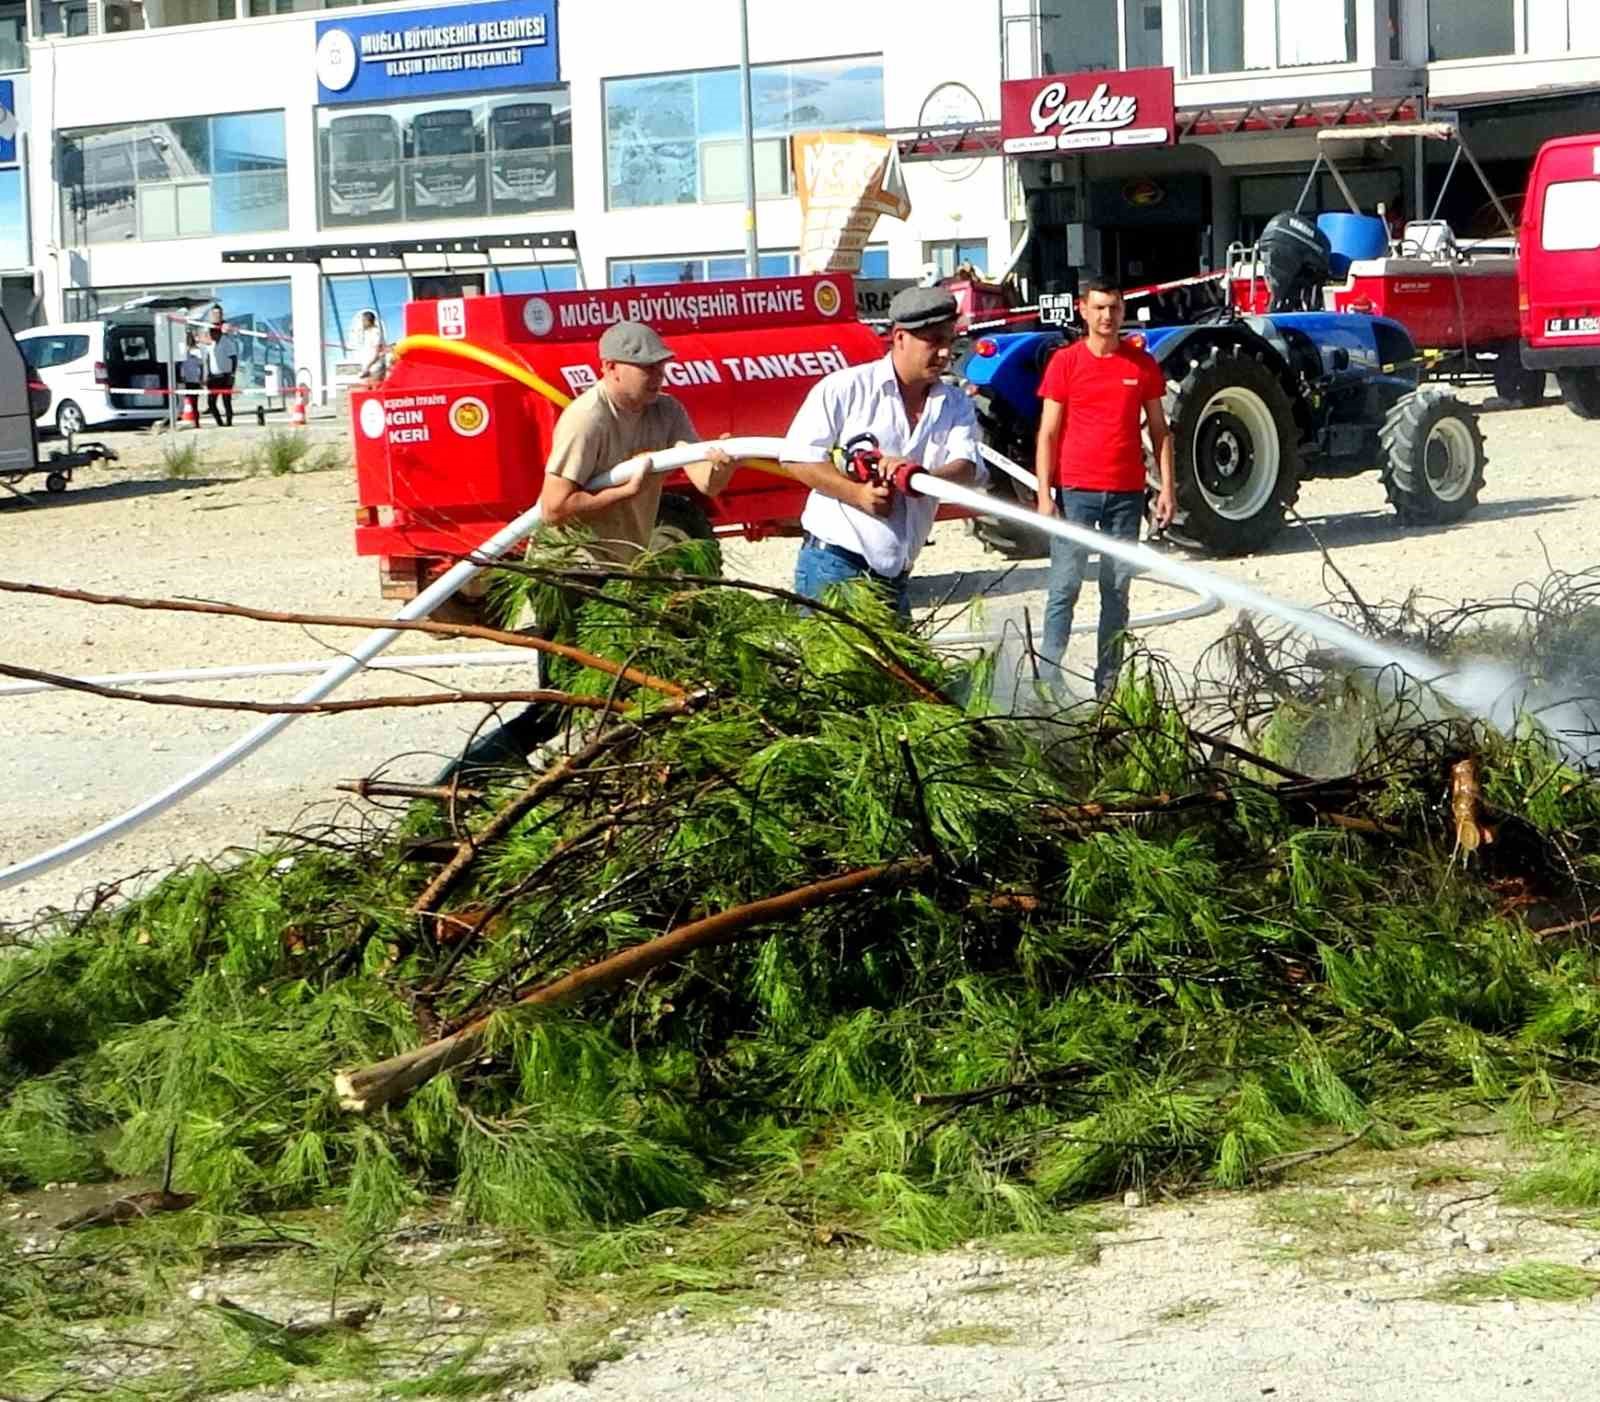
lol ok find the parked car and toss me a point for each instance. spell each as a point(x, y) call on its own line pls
point(97, 372)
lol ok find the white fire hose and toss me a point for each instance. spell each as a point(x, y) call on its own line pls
point(340, 671)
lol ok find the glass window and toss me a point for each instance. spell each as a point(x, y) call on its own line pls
point(542, 277)
point(43, 352)
point(1563, 26)
point(13, 35)
point(249, 161)
point(1233, 36)
point(712, 267)
point(260, 315)
point(1476, 30)
point(1262, 196)
point(1571, 216)
point(1141, 28)
point(1079, 37)
point(72, 18)
point(188, 177)
point(344, 299)
point(14, 246)
point(446, 158)
point(678, 138)
point(949, 254)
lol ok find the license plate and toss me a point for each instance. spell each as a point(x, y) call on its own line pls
point(1572, 326)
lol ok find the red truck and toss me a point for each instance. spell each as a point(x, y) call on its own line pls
point(448, 448)
point(1558, 270)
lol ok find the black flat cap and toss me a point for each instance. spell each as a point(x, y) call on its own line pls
point(917, 308)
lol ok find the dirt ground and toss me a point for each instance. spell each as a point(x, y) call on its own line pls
point(1203, 1299)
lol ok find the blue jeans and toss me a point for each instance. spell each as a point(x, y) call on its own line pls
point(821, 564)
point(1114, 514)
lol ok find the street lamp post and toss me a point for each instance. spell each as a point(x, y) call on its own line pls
point(752, 256)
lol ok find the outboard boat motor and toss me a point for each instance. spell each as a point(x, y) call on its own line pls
point(1295, 256)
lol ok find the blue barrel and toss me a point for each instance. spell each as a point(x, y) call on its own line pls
point(1357, 236)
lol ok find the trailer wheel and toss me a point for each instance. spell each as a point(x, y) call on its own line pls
point(1433, 458)
point(1237, 453)
point(1580, 389)
point(56, 482)
point(1524, 388)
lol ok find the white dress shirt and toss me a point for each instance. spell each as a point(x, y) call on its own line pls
point(220, 355)
point(866, 399)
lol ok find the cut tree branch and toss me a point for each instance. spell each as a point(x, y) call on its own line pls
point(333, 620)
point(372, 1087)
point(536, 792)
point(314, 708)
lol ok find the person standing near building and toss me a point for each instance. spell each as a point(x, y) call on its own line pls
point(623, 418)
point(857, 530)
point(1089, 461)
point(191, 374)
point(222, 364)
point(374, 350)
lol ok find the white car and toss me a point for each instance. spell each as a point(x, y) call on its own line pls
point(98, 372)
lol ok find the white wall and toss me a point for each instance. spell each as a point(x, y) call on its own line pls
point(267, 63)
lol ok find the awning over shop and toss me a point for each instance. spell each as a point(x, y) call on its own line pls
point(943, 143)
point(420, 255)
point(1479, 104)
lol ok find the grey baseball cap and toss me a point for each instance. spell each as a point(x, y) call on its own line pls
point(633, 343)
point(917, 308)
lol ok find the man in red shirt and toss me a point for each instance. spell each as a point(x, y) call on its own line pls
point(1089, 461)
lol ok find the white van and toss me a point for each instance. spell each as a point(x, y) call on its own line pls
point(98, 372)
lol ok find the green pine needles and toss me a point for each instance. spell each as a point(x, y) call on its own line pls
point(1132, 956)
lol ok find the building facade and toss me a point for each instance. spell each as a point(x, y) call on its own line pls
point(145, 145)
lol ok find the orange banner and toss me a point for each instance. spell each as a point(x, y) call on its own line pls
point(845, 180)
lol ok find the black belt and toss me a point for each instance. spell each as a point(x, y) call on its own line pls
point(851, 558)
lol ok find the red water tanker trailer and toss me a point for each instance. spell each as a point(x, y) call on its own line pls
point(452, 445)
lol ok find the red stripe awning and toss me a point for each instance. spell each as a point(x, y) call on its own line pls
point(1214, 119)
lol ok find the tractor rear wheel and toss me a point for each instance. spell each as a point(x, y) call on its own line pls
point(1237, 453)
point(1581, 390)
point(1433, 458)
point(1524, 388)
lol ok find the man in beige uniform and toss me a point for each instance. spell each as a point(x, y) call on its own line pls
point(624, 418)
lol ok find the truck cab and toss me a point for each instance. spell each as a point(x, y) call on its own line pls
point(1558, 269)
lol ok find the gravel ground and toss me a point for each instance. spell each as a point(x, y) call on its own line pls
point(1195, 1300)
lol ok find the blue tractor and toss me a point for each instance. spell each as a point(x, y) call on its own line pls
point(1257, 405)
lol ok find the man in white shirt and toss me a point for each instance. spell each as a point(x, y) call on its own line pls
point(222, 363)
point(857, 530)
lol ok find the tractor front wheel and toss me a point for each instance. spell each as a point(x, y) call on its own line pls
point(1237, 453)
point(1433, 458)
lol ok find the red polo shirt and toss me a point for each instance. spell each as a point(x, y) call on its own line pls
point(1102, 446)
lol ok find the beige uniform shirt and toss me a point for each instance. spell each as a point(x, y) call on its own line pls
point(592, 436)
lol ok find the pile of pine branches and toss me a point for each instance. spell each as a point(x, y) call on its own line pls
point(807, 906)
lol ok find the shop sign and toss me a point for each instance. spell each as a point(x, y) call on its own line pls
point(419, 53)
point(8, 122)
point(1088, 111)
point(747, 305)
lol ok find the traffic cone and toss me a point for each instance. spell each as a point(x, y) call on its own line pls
point(189, 418)
point(297, 413)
